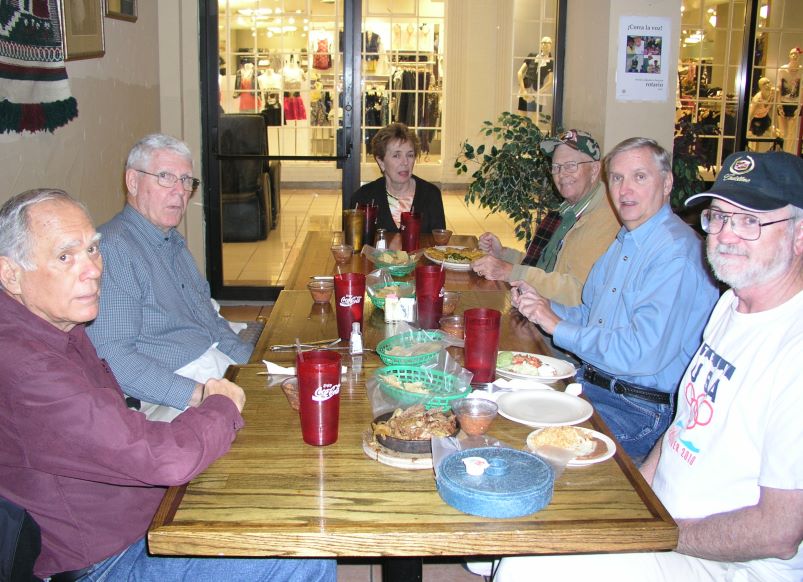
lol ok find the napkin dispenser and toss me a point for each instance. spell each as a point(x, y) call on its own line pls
point(515, 483)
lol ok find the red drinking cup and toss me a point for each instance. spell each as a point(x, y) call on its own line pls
point(429, 281)
point(410, 230)
point(371, 214)
point(319, 396)
point(349, 301)
point(482, 342)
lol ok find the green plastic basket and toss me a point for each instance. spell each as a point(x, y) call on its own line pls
point(441, 388)
point(397, 270)
point(405, 340)
point(379, 302)
point(394, 268)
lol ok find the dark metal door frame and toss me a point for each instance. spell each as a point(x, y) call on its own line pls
point(350, 136)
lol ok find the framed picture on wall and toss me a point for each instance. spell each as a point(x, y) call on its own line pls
point(82, 29)
point(122, 9)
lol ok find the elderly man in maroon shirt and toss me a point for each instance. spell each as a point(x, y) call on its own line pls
point(88, 469)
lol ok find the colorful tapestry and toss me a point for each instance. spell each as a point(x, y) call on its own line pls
point(34, 90)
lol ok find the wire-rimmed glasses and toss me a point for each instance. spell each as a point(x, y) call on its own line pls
point(168, 180)
point(745, 226)
point(568, 167)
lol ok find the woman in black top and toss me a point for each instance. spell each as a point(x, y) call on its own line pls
point(395, 150)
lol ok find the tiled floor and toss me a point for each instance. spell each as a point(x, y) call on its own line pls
point(269, 262)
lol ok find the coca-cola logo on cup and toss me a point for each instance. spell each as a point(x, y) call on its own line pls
point(349, 300)
point(325, 392)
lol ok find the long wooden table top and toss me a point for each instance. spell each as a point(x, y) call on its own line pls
point(295, 315)
point(315, 258)
point(273, 495)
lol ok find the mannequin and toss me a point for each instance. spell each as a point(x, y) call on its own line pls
point(293, 76)
point(535, 82)
point(759, 116)
point(245, 89)
point(270, 85)
point(789, 98)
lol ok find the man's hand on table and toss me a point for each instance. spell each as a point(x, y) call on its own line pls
point(492, 268)
point(533, 306)
point(225, 388)
point(490, 243)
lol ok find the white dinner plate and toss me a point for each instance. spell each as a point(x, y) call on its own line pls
point(540, 408)
point(448, 264)
point(563, 368)
point(604, 450)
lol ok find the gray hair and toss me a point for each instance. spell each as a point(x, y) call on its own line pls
point(144, 149)
point(663, 159)
point(15, 226)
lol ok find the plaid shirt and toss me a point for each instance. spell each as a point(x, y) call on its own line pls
point(543, 233)
point(156, 313)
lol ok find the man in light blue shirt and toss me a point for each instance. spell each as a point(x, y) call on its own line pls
point(157, 327)
point(644, 305)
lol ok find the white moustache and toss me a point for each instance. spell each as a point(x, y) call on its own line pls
point(729, 250)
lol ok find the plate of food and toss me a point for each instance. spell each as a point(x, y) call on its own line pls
point(453, 258)
point(588, 446)
point(526, 366)
point(410, 430)
point(540, 408)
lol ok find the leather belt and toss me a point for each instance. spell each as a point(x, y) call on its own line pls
point(611, 383)
point(70, 576)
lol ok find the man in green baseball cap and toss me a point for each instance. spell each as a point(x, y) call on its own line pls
point(569, 239)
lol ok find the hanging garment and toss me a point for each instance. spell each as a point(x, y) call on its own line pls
point(321, 59)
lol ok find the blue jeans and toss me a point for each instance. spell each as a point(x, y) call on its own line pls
point(135, 565)
point(635, 423)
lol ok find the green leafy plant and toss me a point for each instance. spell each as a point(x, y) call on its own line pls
point(687, 157)
point(511, 175)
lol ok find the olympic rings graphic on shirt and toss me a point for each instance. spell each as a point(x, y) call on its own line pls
point(700, 410)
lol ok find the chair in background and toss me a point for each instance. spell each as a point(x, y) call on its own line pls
point(245, 186)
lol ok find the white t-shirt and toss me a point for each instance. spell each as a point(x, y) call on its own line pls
point(739, 423)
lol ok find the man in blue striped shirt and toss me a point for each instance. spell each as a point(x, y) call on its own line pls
point(644, 305)
point(157, 327)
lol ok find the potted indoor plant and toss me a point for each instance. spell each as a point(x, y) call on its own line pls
point(512, 174)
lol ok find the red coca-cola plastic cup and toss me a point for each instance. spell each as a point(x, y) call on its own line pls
point(371, 213)
point(349, 301)
point(410, 230)
point(319, 396)
point(429, 281)
point(482, 342)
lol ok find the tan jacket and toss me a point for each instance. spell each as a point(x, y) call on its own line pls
point(582, 246)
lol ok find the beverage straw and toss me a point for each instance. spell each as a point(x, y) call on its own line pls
point(299, 352)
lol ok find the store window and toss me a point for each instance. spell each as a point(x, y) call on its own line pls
point(712, 74)
point(773, 119)
point(535, 37)
point(403, 71)
point(280, 59)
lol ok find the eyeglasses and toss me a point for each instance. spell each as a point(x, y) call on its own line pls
point(168, 180)
point(745, 226)
point(568, 167)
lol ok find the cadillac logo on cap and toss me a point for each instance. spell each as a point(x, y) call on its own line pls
point(742, 165)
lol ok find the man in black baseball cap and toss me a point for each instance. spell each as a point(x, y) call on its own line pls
point(757, 181)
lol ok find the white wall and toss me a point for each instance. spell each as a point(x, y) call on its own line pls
point(118, 102)
point(590, 70)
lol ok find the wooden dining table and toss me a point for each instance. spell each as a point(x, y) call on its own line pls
point(296, 317)
point(274, 495)
point(315, 259)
